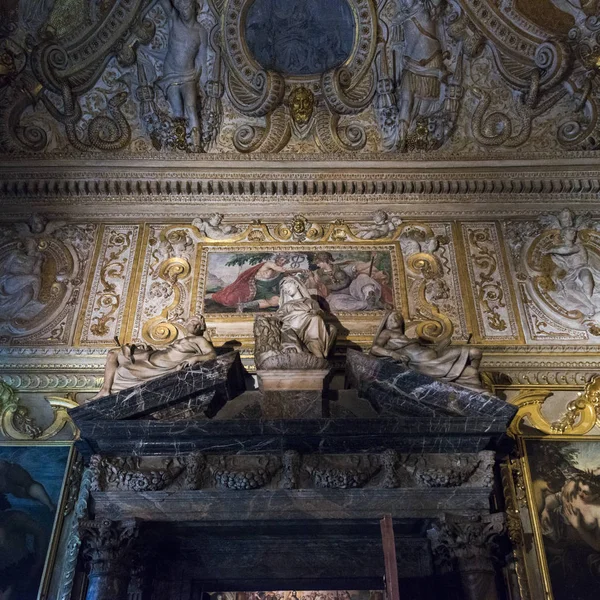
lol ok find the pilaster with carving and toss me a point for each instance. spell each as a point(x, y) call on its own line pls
point(466, 545)
point(108, 547)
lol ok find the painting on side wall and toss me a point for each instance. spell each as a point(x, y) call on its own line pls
point(32, 482)
point(563, 485)
point(342, 281)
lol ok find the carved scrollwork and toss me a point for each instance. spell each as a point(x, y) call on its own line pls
point(16, 424)
point(581, 414)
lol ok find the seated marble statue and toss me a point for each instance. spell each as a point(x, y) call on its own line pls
point(297, 337)
point(448, 364)
point(133, 365)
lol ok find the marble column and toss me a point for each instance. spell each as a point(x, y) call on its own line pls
point(464, 546)
point(108, 549)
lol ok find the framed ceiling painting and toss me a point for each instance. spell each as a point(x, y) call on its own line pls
point(33, 480)
point(561, 481)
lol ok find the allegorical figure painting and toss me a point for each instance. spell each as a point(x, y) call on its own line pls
point(566, 488)
point(31, 480)
point(347, 281)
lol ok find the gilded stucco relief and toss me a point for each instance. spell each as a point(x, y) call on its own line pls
point(490, 285)
point(107, 300)
point(443, 77)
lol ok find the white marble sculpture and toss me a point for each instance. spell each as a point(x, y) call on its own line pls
point(296, 337)
point(302, 324)
point(441, 361)
point(132, 365)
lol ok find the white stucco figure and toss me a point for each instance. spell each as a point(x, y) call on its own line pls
point(21, 282)
point(183, 64)
point(419, 68)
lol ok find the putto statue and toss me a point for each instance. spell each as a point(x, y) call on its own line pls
point(450, 365)
point(213, 229)
point(132, 364)
point(383, 226)
point(297, 337)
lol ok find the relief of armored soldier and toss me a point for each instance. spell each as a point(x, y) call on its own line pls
point(419, 70)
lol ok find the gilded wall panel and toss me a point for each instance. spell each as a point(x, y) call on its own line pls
point(489, 284)
point(557, 271)
point(109, 286)
point(440, 286)
point(167, 272)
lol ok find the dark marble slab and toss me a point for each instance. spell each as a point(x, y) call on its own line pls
point(396, 391)
point(291, 505)
point(206, 386)
point(408, 434)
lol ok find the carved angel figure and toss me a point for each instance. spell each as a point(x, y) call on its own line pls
point(212, 228)
point(452, 365)
point(21, 271)
point(133, 365)
point(576, 272)
point(383, 226)
point(184, 61)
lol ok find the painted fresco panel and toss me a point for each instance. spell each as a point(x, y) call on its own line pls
point(343, 281)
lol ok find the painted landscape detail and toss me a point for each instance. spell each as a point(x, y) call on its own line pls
point(30, 487)
point(300, 37)
point(566, 487)
point(347, 281)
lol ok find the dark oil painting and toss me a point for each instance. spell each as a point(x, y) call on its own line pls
point(565, 477)
point(31, 482)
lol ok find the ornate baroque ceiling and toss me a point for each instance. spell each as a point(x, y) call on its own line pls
point(372, 79)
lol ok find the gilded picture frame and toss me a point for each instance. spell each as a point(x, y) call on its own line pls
point(39, 472)
point(559, 477)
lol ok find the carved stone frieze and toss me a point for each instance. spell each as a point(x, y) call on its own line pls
point(291, 471)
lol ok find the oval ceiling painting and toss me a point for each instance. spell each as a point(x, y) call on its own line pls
point(300, 37)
